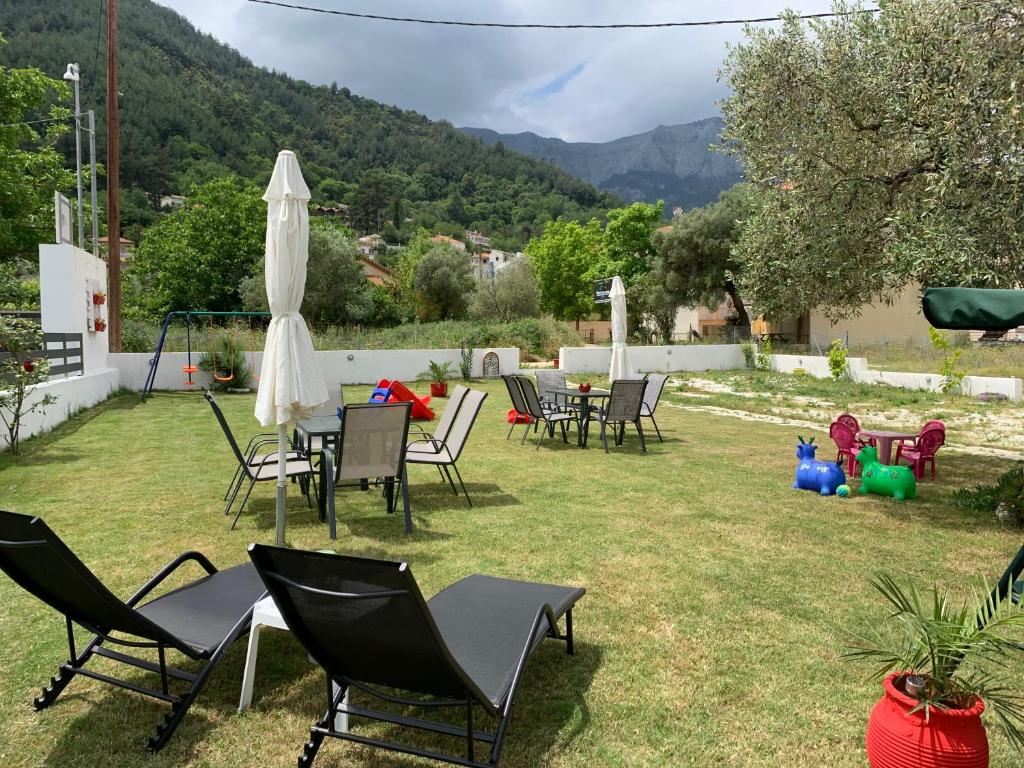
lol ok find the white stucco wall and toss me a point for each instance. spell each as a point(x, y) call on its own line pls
point(344, 366)
point(817, 366)
point(678, 357)
point(63, 274)
point(73, 395)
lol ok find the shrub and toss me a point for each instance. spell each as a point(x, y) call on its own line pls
point(749, 362)
point(952, 375)
point(19, 371)
point(764, 356)
point(1004, 499)
point(837, 359)
point(227, 360)
point(466, 363)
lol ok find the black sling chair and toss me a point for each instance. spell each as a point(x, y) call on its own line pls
point(199, 620)
point(367, 625)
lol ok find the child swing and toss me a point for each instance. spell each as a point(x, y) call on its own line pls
point(213, 358)
point(189, 369)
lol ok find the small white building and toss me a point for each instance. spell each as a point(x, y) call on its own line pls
point(172, 201)
point(368, 244)
point(478, 239)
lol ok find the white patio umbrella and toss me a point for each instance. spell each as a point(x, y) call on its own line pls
point(291, 383)
point(620, 368)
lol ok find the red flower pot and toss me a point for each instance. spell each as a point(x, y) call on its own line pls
point(953, 738)
point(554, 361)
point(439, 389)
point(99, 298)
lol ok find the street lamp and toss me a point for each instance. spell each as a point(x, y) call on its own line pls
point(72, 76)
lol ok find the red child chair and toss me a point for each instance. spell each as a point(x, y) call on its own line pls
point(846, 441)
point(922, 450)
point(851, 421)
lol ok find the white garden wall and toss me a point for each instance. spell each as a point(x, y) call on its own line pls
point(678, 357)
point(344, 366)
point(73, 395)
point(817, 366)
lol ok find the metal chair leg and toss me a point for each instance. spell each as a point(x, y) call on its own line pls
point(458, 475)
point(406, 509)
point(238, 514)
point(640, 431)
point(656, 428)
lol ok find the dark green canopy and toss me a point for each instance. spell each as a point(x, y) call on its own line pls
point(974, 309)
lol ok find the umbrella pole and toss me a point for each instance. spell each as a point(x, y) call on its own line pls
point(282, 487)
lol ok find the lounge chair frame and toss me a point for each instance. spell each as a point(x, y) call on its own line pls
point(155, 637)
point(337, 686)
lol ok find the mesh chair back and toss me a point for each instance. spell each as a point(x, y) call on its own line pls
point(373, 440)
point(548, 383)
point(625, 400)
point(463, 424)
point(227, 430)
point(361, 619)
point(515, 393)
point(36, 559)
point(530, 398)
point(655, 384)
point(451, 408)
point(334, 402)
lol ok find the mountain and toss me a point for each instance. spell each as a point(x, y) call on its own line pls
point(193, 109)
point(673, 163)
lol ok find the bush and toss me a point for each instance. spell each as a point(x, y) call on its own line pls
point(1005, 499)
point(227, 360)
point(952, 375)
point(749, 362)
point(19, 372)
point(837, 359)
point(764, 356)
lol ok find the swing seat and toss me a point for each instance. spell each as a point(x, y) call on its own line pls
point(190, 369)
point(224, 379)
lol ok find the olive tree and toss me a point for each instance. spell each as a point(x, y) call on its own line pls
point(886, 148)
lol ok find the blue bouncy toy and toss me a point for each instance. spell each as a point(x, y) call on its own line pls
point(813, 475)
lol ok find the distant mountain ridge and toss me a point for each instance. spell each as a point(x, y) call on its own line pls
point(673, 163)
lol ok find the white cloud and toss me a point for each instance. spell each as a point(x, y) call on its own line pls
point(632, 80)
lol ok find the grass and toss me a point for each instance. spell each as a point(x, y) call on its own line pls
point(718, 598)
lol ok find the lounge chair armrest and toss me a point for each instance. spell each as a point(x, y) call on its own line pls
point(261, 436)
point(170, 568)
point(422, 431)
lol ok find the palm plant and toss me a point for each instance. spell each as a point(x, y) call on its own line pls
point(959, 652)
point(438, 372)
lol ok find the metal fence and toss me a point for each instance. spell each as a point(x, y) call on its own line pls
point(62, 350)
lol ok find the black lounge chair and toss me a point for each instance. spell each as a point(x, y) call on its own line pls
point(199, 620)
point(366, 623)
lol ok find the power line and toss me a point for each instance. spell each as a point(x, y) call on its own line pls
point(505, 25)
point(35, 122)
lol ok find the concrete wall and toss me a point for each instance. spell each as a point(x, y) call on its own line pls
point(679, 357)
point(857, 367)
point(877, 323)
point(65, 303)
point(73, 395)
point(345, 366)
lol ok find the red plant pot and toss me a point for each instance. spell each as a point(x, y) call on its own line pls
point(100, 326)
point(953, 738)
point(554, 361)
point(439, 389)
point(97, 299)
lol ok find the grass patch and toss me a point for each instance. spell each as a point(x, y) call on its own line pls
point(1001, 359)
point(710, 634)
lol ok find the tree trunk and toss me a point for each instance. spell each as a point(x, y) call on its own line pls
point(742, 318)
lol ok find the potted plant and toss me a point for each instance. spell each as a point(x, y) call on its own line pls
point(99, 298)
point(438, 374)
point(941, 666)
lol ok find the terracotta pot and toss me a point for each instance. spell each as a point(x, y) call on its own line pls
point(439, 389)
point(952, 738)
point(554, 362)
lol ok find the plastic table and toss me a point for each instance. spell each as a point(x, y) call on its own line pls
point(885, 439)
point(266, 614)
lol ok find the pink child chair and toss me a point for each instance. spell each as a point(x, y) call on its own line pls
point(851, 421)
point(922, 450)
point(845, 439)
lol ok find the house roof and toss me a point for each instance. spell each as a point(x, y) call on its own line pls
point(123, 241)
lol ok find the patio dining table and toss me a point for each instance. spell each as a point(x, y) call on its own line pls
point(583, 398)
point(885, 439)
point(328, 429)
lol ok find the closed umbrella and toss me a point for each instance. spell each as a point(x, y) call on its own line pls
point(620, 368)
point(291, 383)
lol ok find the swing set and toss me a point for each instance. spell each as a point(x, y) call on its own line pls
point(223, 376)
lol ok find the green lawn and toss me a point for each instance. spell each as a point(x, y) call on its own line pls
point(710, 634)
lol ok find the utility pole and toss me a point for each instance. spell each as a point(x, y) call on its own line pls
point(92, 185)
point(113, 184)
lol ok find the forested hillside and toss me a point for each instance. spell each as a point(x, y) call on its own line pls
point(193, 109)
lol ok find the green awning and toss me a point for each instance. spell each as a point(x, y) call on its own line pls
point(974, 309)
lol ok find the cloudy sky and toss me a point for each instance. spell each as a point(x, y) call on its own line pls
point(575, 84)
